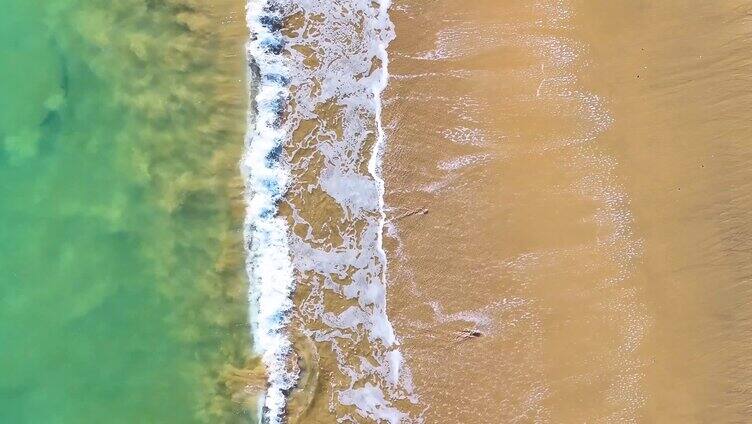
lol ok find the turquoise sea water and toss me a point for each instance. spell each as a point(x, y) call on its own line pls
point(121, 291)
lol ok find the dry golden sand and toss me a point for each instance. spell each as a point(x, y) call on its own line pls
point(569, 184)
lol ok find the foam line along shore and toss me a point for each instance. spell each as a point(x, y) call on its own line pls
point(266, 235)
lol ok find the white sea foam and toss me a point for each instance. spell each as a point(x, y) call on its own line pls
point(463, 162)
point(266, 235)
point(349, 39)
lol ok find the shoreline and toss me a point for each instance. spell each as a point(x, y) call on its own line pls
point(266, 235)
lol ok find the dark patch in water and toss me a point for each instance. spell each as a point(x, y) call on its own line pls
point(51, 127)
point(268, 213)
point(272, 186)
point(271, 22)
point(255, 76)
point(278, 106)
point(468, 334)
point(64, 76)
point(272, 8)
point(273, 156)
point(277, 78)
point(274, 46)
point(52, 123)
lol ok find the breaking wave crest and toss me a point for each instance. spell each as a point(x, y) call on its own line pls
point(266, 234)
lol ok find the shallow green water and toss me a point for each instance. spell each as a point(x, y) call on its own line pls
point(118, 300)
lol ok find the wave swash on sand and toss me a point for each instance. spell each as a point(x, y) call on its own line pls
point(313, 148)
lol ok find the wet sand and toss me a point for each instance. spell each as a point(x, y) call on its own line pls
point(680, 89)
point(568, 185)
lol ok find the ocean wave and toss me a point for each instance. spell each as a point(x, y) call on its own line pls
point(268, 255)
